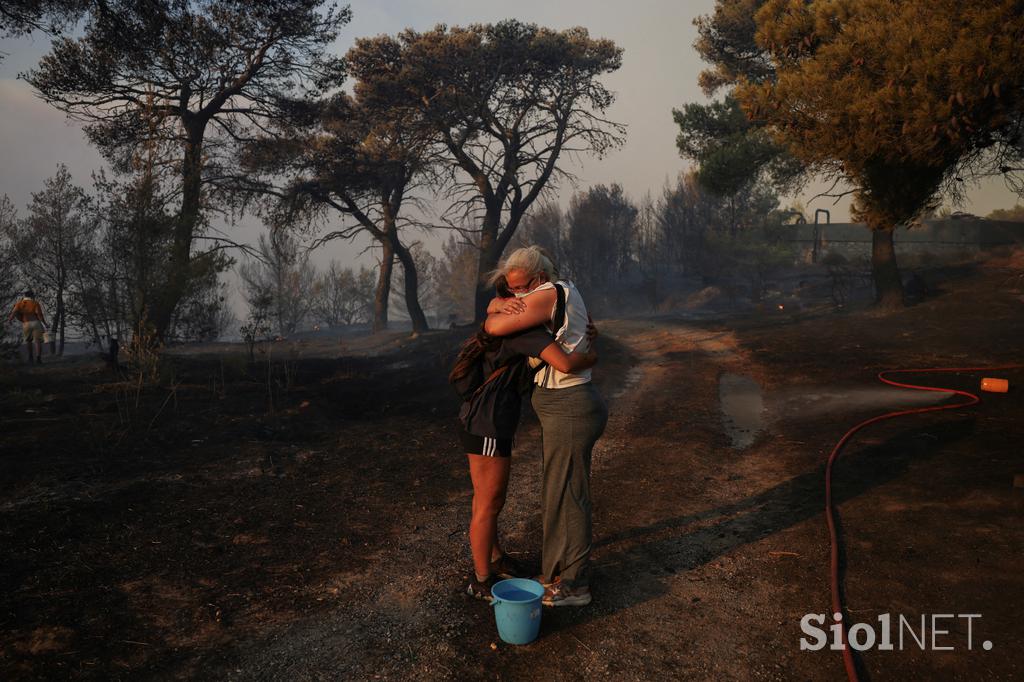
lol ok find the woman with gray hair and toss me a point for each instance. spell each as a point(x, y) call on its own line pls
point(572, 416)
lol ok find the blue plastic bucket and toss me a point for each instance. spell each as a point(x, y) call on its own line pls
point(517, 609)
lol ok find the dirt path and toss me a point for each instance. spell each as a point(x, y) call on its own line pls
point(673, 504)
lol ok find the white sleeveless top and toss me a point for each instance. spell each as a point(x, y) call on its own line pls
point(571, 336)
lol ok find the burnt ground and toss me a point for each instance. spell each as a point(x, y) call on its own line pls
point(305, 517)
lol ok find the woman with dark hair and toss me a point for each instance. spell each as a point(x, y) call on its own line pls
point(492, 374)
point(572, 417)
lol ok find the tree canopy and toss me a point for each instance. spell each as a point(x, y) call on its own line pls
point(183, 83)
point(505, 102)
point(726, 42)
point(601, 223)
point(733, 153)
point(50, 245)
point(903, 102)
point(362, 160)
point(863, 83)
point(18, 17)
point(1015, 214)
point(898, 99)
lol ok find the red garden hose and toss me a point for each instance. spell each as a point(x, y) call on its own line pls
point(972, 399)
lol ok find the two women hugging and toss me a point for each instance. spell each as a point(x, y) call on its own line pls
point(537, 343)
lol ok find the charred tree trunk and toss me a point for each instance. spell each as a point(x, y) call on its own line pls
point(884, 270)
point(61, 326)
point(380, 301)
point(412, 301)
point(180, 267)
point(489, 256)
point(57, 344)
point(58, 322)
point(391, 204)
point(492, 246)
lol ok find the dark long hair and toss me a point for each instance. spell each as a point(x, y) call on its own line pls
point(470, 353)
point(479, 343)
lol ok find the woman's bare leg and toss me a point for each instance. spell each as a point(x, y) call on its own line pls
point(490, 483)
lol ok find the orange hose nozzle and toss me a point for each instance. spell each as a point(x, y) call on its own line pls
point(995, 385)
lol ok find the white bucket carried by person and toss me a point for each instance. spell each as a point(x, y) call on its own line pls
point(49, 336)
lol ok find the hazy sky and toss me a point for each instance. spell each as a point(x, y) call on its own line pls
point(659, 72)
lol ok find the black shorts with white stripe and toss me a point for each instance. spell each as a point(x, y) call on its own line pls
point(488, 447)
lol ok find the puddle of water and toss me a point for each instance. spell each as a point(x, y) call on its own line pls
point(745, 411)
point(818, 400)
point(742, 409)
point(629, 381)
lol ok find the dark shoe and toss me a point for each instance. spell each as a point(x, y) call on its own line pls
point(480, 589)
point(507, 567)
point(560, 594)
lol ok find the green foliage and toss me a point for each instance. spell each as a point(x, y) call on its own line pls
point(1015, 214)
point(8, 277)
point(20, 17)
point(895, 97)
point(141, 70)
point(281, 271)
point(456, 279)
point(257, 326)
point(342, 296)
point(49, 249)
point(170, 89)
point(365, 158)
point(601, 224)
point(752, 256)
point(899, 100)
point(203, 313)
point(503, 102)
point(544, 226)
point(726, 41)
point(732, 153)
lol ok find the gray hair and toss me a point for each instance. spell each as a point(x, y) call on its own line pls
point(534, 260)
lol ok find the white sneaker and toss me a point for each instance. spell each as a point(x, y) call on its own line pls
point(559, 594)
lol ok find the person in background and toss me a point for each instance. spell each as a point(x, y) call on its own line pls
point(33, 323)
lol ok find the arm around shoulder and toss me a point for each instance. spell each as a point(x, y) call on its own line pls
point(538, 311)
